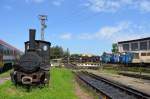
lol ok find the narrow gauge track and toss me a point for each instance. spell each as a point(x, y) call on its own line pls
point(110, 89)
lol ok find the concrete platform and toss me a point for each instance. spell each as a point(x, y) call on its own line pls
point(137, 84)
point(135, 74)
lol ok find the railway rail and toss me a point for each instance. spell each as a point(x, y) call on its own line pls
point(110, 89)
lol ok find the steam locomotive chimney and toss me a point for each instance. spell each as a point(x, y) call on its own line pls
point(32, 39)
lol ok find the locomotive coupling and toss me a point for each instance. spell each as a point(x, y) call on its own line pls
point(26, 80)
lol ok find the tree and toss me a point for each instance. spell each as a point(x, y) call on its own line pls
point(66, 53)
point(114, 48)
point(56, 52)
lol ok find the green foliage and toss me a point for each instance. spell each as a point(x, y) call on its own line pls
point(66, 53)
point(61, 87)
point(58, 52)
point(116, 70)
point(114, 48)
point(75, 55)
point(5, 74)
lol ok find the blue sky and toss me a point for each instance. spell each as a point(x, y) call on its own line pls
point(83, 26)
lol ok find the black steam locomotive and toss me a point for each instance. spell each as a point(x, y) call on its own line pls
point(34, 66)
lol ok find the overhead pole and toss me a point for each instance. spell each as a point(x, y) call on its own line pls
point(68, 55)
point(43, 19)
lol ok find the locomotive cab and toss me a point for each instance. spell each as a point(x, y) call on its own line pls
point(43, 50)
point(34, 65)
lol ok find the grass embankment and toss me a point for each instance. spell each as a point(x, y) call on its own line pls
point(61, 87)
point(116, 70)
point(5, 74)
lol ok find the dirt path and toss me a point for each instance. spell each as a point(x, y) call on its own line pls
point(2, 80)
point(81, 93)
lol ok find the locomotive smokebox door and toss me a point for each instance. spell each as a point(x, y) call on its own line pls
point(34, 66)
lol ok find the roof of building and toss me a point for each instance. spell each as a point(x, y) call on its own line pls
point(142, 39)
point(8, 45)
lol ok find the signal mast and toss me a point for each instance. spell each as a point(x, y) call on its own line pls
point(43, 19)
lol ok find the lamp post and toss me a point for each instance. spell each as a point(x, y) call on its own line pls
point(140, 68)
point(43, 19)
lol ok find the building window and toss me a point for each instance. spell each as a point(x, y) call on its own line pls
point(136, 55)
point(143, 45)
point(149, 44)
point(134, 46)
point(148, 54)
point(1, 49)
point(126, 47)
point(143, 54)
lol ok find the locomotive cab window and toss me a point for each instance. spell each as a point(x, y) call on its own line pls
point(45, 48)
point(27, 46)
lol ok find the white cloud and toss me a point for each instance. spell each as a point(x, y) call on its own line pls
point(57, 2)
point(115, 5)
point(108, 31)
point(85, 36)
point(35, 1)
point(8, 7)
point(102, 5)
point(121, 31)
point(145, 6)
point(129, 36)
point(66, 36)
point(54, 2)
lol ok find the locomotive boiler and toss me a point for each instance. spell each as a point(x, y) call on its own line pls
point(34, 66)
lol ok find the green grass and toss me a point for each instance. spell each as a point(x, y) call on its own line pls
point(5, 74)
point(61, 87)
point(138, 69)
